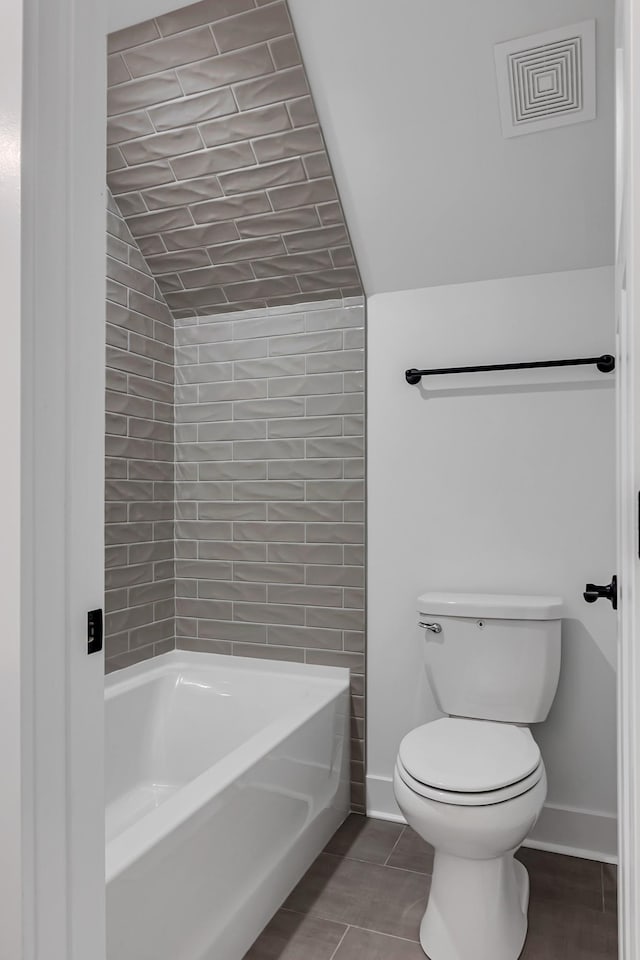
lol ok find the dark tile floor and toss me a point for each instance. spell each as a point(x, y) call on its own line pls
point(364, 896)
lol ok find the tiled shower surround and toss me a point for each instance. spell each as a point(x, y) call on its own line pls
point(227, 233)
point(218, 162)
point(266, 517)
point(270, 490)
point(139, 492)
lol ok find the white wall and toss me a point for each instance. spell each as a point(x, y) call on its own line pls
point(12, 882)
point(124, 13)
point(407, 97)
point(496, 483)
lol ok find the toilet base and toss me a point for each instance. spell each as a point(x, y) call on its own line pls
point(477, 909)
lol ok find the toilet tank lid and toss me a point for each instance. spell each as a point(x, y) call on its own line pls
point(491, 606)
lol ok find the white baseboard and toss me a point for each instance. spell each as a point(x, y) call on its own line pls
point(578, 833)
point(381, 802)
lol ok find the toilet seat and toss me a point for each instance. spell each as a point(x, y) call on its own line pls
point(479, 799)
point(469, 762)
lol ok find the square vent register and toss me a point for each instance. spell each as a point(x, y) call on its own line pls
point(548, 79)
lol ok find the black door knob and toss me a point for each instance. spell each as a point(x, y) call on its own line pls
point(595, 591)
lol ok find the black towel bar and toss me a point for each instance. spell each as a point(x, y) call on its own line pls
point(605, 364)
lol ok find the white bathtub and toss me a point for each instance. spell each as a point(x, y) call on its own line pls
point(225, 778)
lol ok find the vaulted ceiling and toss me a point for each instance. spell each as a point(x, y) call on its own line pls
point(217, 161)
point(434, 194)
point(407, 99)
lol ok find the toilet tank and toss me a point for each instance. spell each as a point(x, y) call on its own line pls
point(494, 657)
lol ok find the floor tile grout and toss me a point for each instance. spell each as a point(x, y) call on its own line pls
point(392, 936)
point(348, 926)
point(400, 836)
point(340, 941)
point(417, 873)
point(555, 931)
point(374, 863)
point(355, 926)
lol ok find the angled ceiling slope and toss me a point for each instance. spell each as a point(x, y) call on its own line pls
point(434, 194)
point(218, 164)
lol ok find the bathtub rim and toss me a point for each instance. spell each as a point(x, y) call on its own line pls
point(129, 677)
point(137, 839)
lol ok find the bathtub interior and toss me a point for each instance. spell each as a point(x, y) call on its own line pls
point(168, 725)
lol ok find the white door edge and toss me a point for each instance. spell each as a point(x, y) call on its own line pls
point(628, 419)
point(51, 741)
point(11, 761)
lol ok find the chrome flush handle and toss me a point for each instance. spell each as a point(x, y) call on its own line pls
point(431, 627)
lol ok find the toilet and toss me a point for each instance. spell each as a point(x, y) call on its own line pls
point(473, 783)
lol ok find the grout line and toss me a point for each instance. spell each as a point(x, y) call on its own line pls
point(372, 863)
point(416, 873)
point(340, 943)
point(350, 926)
point(380, 933)
point(400, 835)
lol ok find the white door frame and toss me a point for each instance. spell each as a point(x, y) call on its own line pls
point(10, 648)
point(52, 205)
point(628, 348)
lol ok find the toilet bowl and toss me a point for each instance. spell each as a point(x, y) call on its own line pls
point(473, 783)
point(479, 893)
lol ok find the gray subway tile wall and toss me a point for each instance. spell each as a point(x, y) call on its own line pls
point(269, 490)
point(218, 163)
point(235, 330)
point(139, 485)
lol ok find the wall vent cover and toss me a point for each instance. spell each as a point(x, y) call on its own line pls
point(548, 79)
